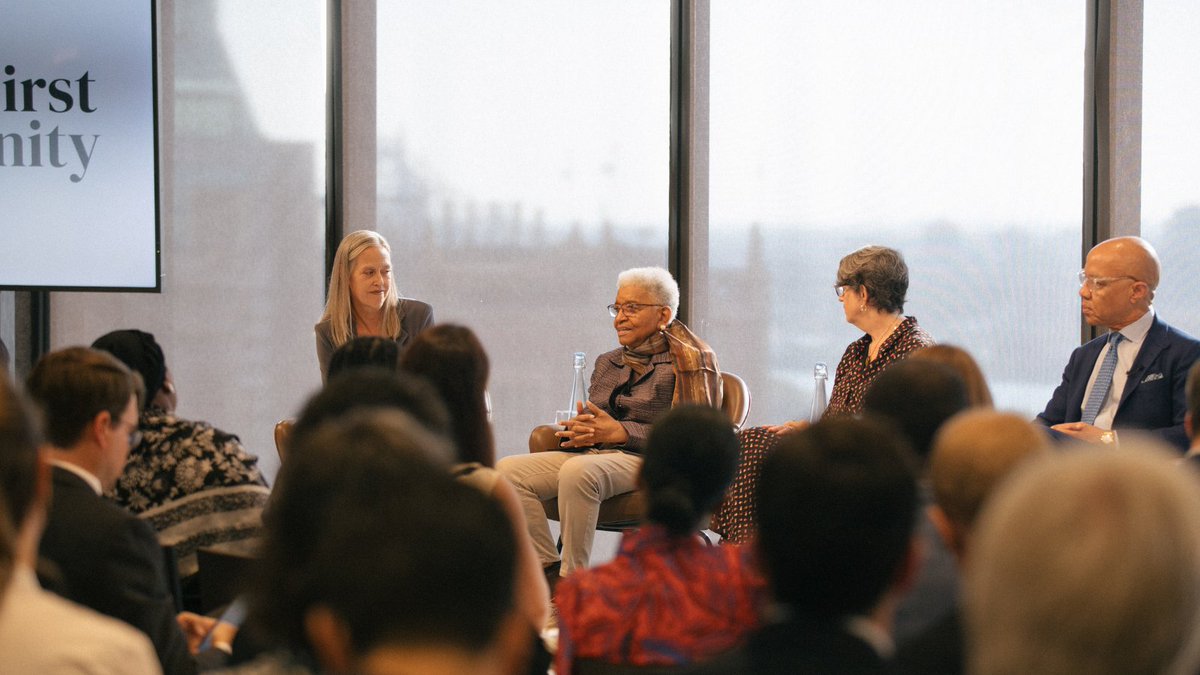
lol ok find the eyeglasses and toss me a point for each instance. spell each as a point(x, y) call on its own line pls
point(1100, 283)
point(135, 436)
point(840, 289)
point(629, 309)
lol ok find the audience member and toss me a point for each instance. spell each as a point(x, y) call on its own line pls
point(838, 502)
point(1133, 376)
point(193, 483)
point(979, 395)
point(667, 599)
point(972, 453)
point(452, 359)
point(376, 561)
point(5, 359)
point(363, 300)
point(39, 631)
point(372, 388)
point(917, 397)
point(365, 352)
point(1191, 421)
point(1088, 563)
point(108, 559)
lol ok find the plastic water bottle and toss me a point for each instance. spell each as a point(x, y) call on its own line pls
point(820, 374)
point(578, 385)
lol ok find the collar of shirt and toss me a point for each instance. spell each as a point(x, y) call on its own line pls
point(1135, 332)
point(86, 475)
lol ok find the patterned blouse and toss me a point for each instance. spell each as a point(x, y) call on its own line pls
point(855, 373)
point(177, 458)
point(735, 515)
point(663, 600)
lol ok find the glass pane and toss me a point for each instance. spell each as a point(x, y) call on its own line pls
point(242, 178)
point(950, 131)
point(1170, 145)
point(523, 163)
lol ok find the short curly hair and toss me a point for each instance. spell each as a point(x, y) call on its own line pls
point(879, 269)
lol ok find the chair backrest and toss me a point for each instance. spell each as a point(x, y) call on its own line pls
point(283, 433)
point(735, 400)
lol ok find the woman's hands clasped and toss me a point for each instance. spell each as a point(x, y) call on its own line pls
point(590, 428)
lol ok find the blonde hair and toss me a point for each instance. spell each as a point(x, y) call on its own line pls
point(338, 307)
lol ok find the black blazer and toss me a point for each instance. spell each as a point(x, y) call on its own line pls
point(1153, 399)
point(111, 562)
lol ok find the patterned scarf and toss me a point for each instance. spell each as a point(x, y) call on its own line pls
point(638, 357)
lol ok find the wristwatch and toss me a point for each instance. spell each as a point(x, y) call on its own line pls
point(1108, 437)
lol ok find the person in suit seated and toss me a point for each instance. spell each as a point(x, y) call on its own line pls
point(918, 396)
point(1088, 563)
point(837, 509)
point(106, 558)
point(39, 631)
point(972, 453)
point(377, 561)
point(1132, 377)
point(667, 599)
point(363, 300)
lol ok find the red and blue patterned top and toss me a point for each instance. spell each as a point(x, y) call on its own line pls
point(663, 601)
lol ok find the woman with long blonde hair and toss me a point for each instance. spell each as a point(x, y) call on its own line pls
point(363, 301)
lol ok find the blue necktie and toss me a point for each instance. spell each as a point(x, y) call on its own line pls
point(1103, 381)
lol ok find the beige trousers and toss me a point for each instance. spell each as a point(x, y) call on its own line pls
point(580, 481)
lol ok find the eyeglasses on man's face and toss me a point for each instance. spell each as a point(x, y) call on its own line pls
point(628, 309)
point(1100, 283)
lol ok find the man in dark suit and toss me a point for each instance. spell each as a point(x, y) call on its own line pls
point(1132, 377)
point(108, 559)
point(836, 517)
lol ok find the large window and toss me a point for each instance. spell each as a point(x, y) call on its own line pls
point(523, 152)
point(242, 118)
point(1170, 146)
point(950, 131)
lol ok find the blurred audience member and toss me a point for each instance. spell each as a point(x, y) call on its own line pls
point(1191, 422)
point(972, 454)
point(193, 483)
point(667, 599)
point(838, 502)
point(365, 352)
point(106, 558)
point(452, 359)
point(376, 561)
point(1088, 563)
point(39, 631)
point(979, 395)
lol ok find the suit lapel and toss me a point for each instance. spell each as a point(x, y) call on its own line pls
point(1156, 341)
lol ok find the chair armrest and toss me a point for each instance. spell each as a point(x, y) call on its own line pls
point(542, 438)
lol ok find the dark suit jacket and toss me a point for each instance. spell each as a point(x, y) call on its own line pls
point(798, 646)
point(1154, 397)
point(937, 651)
point(110, 561)
point(415, 316)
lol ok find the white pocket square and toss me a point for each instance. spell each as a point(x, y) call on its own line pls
point(1152, 377)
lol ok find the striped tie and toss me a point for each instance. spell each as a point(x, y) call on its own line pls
point(1103, 381)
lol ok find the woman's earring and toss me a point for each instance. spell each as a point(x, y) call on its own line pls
point(662, 327)
point(862, 307)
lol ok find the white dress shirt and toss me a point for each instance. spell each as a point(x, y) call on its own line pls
point(1127, 351)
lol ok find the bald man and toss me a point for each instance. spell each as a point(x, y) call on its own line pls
point(1141, 386)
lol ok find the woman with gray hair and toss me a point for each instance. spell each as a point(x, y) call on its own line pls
point(871, 285)
point(599, 451)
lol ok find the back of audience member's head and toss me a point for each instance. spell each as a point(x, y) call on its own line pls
point(689, 460)
point(72, 386)
point(20, 437)
point(141, 352)
point(917, 396)
point(972, 453)
point(5, 359)
point(364, 352)
point(369, 532)
point(1088, 562)
point(454, 361)
point(979, 395)
point(837, 503)
point(372, 388)
point(1192, 418)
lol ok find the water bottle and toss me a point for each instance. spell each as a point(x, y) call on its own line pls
point(578, 385)
point(820, 374)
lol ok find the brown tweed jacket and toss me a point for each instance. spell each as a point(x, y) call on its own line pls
point(637, 405)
